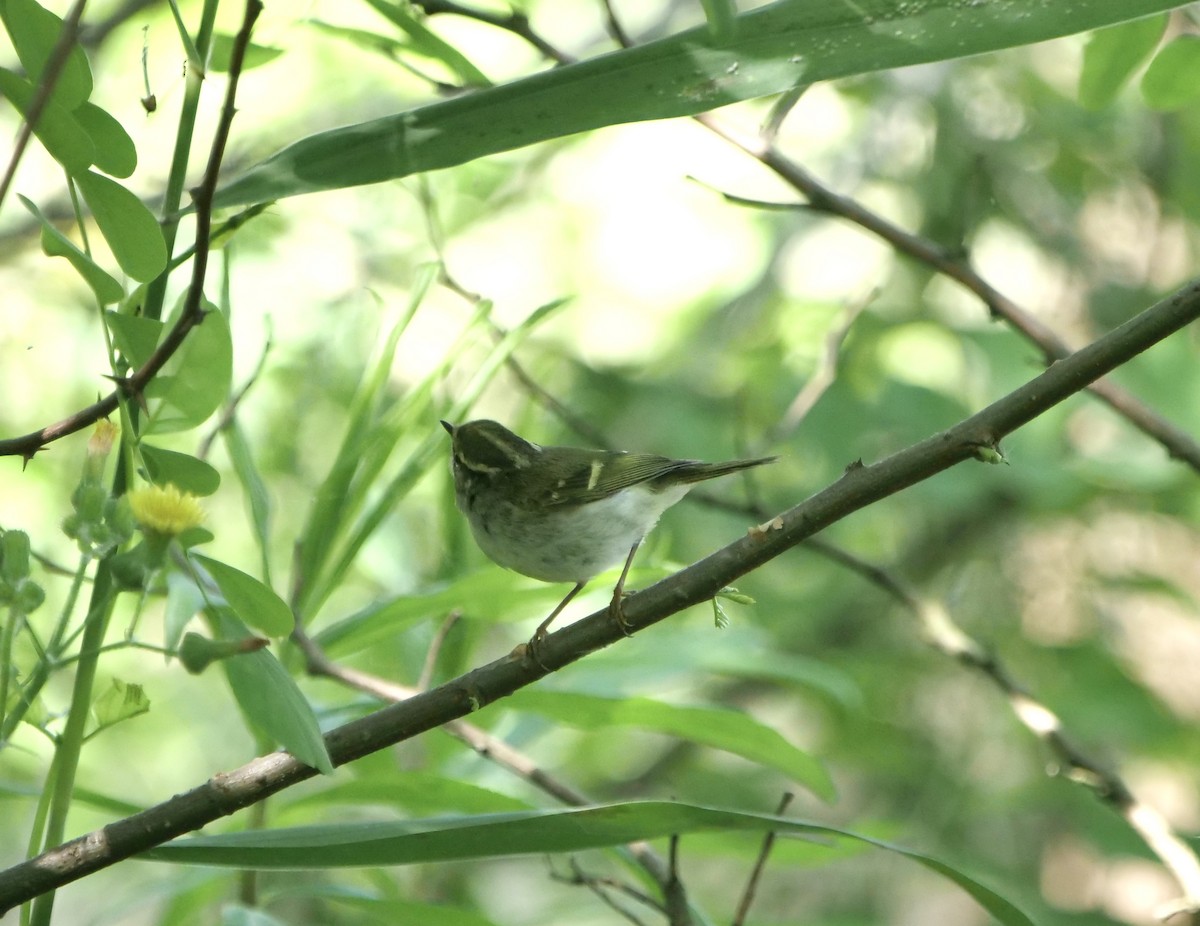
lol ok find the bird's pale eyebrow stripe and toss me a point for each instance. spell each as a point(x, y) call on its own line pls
point(594, 476)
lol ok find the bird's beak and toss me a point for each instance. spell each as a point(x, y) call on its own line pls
point(449, 427)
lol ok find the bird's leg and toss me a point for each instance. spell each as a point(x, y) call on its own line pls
point(539, 635)
point(615, 608)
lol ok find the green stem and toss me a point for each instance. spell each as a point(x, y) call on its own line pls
point(6, 645)
point(39, 674)
point(70, 745)
point(177, 176)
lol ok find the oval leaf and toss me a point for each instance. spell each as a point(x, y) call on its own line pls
point(186, 471)
point(252, 601)
point(56, 128)
point(198, 378)
point(35, 31)
point(269, 697)
point(130, 229)
point(115, 151)
point(56, 244)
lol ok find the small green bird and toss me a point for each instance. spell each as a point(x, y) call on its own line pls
point(565, 514)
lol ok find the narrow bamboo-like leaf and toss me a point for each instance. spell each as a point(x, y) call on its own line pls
point(129, 227)
point(254, 487)
point(134, 335)
point(198, 378)
point(221, 54)
point(1173, 78)
point(414, 791)
point(187, 472)
point(56, 244)
point(253, 602)
point(773, 49)
point(1113, 54)
point(429, 43)
point(506, 834)
point(57, 129)
point(730, 731)
point(35, 31)
point(269, 697)
point(115, 151)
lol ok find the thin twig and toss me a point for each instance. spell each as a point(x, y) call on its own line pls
point(516, 23)
point(435, 649)
point(496, 750)
point(601, 887)
point(1178, 443)
point(760, 864)
point(941, 631)
point(858, 487)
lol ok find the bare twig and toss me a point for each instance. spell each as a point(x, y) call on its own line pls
point(489, 747)
point(858, 487)
point(1178, 443)
point(517, 23)
point(601, 887)
point(940, 629)
point(435, 649)
point(760, 864)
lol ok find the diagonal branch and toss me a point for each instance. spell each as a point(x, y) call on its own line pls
point(1178, 443)
point(860, 486)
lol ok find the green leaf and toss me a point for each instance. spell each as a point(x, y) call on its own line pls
point(34, 31)
point(520, 833)
point(130, 229)
point(430, 44)
point(1172, 80)
point(115, 151)
point(255, 488)
point(253, 602)
point(238, 915)
point(1112, 55)
point(773, 49)
point(221, 54)
point(269, 697)
point(56, 128)
point(56, 244)
point(120, 701)
point(135, 336)
point(417, 792)
point(184, 601)
point(197, 379)
point(186, 471)
point(730, 731)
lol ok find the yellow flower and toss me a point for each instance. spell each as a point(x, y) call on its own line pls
point(165, 510)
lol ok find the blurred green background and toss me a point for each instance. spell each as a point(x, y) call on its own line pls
point(692, 324)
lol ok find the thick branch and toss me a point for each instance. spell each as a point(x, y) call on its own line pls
point(859, 486)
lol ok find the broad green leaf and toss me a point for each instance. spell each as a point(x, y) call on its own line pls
point(186, 471)
point(269, 697)
point(56, 244)
point(730, 731)
point(115, 151)
point(428, 43)
point(135, 336)
point(57, 129)
point(253, 602)
point(35, 31)
point(1112, 55)
point(130, 229)
point(1173, 78)
point(120, 701)
point(197, 379)
point(534, 832)
point(773, 49)
point(221, 54)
